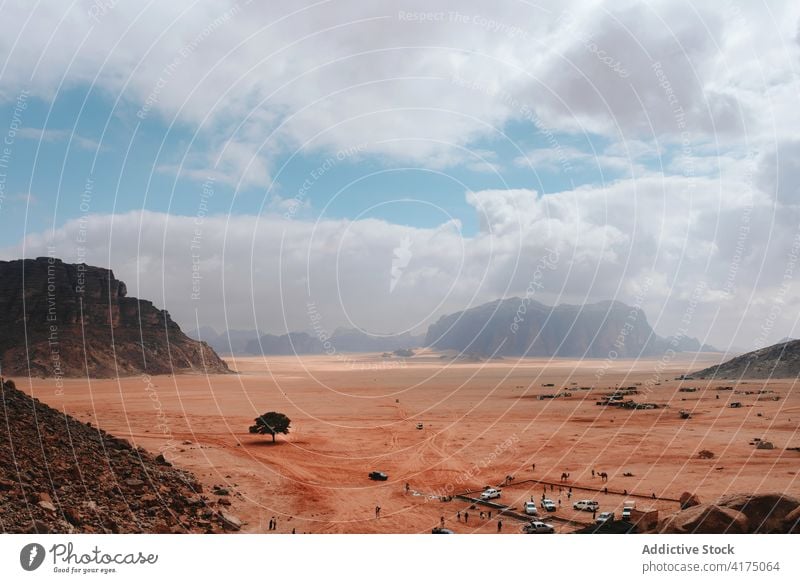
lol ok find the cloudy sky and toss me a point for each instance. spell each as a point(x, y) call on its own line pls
point(389, 162)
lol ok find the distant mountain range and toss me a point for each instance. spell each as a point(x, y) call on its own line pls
point(247, 342)
point(779, 361)
point(510, 327)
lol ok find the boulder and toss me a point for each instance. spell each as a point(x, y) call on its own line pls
point(791, 524)
point(229, 521)
point(705, 519)
point(764, 512)
point(688, 500)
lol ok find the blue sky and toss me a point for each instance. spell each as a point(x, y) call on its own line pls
point(85, 134)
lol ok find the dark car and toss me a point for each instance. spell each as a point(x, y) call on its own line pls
point(380, 476)
point(440, 530)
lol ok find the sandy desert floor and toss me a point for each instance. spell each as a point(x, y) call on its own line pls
point(482, 421)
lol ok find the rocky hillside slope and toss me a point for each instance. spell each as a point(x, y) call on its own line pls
point(59, 319)
point(780, 361)
point(60, 475)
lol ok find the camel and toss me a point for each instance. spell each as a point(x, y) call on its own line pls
point(564, 476)
point(603, 476)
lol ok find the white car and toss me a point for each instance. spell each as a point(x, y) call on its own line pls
point(604, 517)
point(538, 527)
point(549, 505)
point(490, 493)
point(588, 505)
point(530, 508)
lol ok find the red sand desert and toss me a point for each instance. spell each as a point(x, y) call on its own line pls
point(482, 421)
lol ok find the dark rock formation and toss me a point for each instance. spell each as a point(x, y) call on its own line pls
point(59, 319)
point(62, 476)
point(781, 361)
point(706, 519)
point(515, 327)
point(688, 500)
point(737, 513)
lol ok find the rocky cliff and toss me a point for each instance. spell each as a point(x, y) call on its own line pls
point(528, 328)
point(63, 320)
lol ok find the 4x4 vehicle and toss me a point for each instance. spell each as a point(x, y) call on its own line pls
point(490, 493)
point(538, 527)
point(588, 505)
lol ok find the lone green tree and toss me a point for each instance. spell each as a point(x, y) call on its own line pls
point(271, 423)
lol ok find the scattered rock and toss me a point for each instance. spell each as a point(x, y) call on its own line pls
point(220, 491)
point(103, 492)
point(688, 500)
point(705, 454)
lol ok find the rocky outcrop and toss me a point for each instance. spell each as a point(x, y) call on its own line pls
point(706, 519)
point(516, 327)
point(780, 361)
point(62, 476)
point(736, 514)
point(62, 320)
point(688, 500)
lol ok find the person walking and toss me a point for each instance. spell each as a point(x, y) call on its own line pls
point(490, 515)
point(466, 517)
point(481, 514)
point(441, 521)
point(594, 513)
point(377, 512)
point(593, 472)
point(499, 525)
point(458, 516)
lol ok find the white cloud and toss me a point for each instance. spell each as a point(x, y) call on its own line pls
point(263, 270)
point(337, 74)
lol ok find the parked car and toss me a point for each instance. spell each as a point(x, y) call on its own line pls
point(604, 517)
point(440, 530)
point(627, 507)
point(379, 476)
point(490, 493)
point(530, 508)
point(549, 505)
point(538, 527)
point(588, 505)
